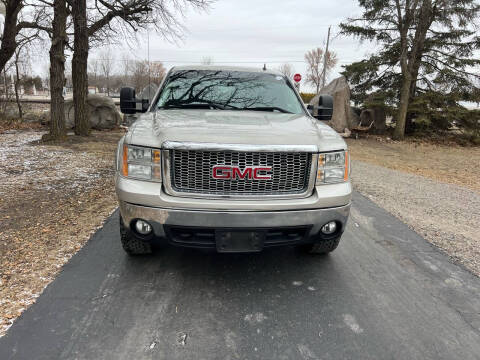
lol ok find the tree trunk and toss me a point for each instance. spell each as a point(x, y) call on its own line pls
point(5, 86)
point(57, 71)
point(399, 133)
point(17, 84)
point(79, 68)
point(10, 31)
point(410, 72)
point(409, 125)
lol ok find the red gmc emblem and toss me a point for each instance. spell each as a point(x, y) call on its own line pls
point(225, 172)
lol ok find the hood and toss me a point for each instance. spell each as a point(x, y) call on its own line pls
point(232, 127)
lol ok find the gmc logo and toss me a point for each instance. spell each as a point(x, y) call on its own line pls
point(225, 172)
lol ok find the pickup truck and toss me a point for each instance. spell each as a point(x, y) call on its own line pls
point(230, 159)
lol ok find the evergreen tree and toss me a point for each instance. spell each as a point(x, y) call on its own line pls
point(427, 49)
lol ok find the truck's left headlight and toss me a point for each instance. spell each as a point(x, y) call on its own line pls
point(333, 167)
point(141, 163)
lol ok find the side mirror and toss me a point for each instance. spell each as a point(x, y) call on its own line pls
point(324, 110)
point(311, 109)
point(129, 104)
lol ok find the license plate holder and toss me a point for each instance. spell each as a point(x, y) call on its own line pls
point(237, 241)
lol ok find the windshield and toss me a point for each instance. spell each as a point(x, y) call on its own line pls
point(230, 90)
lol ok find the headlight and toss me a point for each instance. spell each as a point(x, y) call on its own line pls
point(143, 155)
point(333, 167)
point(141, 163)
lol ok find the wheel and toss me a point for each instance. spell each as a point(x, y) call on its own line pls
point(131, 244)
point(321, 247)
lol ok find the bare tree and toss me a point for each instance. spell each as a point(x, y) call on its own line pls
point(127, 65)
point(107, 19)
point(287, 70)
point(17, 24)
point(157, 72)
point(94, 69)
point(207, 60)
point(79, 67)
point(140, 75)
point(7, 83)
point(21, 59)
point(315, 66)
point(17, 83)
point(10, 30)
point(46, 76)
point(106, 67)
point(68, 75)
point(57, 71)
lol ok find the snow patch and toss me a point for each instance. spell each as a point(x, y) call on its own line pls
point(352, 323)
point(256, 318)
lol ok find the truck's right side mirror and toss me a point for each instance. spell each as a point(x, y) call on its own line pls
point(324, 110)
point(128, 102)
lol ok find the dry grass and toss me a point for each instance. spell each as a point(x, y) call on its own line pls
point(9, 125)
point(451, 164)
point(52, 197)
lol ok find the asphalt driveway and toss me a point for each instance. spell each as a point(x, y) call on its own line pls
point(384, 294)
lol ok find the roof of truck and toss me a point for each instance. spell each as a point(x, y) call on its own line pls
point(227, 68)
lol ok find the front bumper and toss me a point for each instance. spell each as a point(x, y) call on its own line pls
point(163, 219)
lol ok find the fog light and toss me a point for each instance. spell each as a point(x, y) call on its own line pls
point(329, 228)
point(143, 227)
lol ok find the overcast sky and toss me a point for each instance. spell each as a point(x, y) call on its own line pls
point(253, 32)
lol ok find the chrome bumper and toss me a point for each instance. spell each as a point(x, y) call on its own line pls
point(159, 217)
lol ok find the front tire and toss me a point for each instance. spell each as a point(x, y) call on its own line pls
point(132, 244)
point(321, 247)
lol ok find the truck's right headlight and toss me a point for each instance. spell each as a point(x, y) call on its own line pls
point(333, 167)
point(141, 163)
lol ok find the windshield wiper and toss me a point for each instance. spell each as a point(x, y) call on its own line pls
point(199, 104)
point(268, 108)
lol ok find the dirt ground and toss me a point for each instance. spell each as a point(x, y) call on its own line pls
point(451, 164)
point(52, 198)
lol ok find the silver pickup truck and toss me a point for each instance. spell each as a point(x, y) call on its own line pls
point(231, 159)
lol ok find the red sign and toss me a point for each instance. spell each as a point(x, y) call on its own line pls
point(297, 77)
point(225, 172)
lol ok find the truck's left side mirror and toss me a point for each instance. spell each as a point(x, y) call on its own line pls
point(324, 110)
point(128, 102)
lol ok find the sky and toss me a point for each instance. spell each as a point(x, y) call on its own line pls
point(254, 32)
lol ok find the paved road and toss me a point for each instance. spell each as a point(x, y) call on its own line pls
point(384, 294)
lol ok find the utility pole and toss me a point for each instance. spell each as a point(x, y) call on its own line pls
point(325, 59)
point(150, 96)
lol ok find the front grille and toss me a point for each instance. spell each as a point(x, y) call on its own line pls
point(191, 172)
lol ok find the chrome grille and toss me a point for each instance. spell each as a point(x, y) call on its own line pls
point(191, 172)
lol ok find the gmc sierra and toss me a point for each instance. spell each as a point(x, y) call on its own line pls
point(231, 159)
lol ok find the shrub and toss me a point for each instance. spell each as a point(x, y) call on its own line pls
point(306, 97)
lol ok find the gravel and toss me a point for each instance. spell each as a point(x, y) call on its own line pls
point(447, 215)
